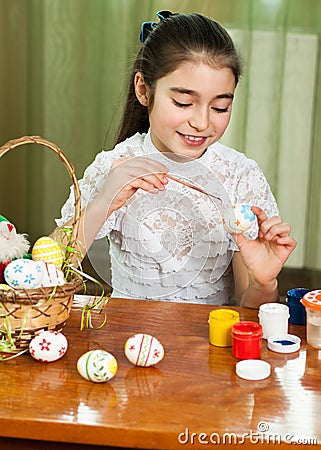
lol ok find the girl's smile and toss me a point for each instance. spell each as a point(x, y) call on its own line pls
point(191, 109)
point(193, 140)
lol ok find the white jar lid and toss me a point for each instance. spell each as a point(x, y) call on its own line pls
point(273, 308)
point(253, 369)
point(284, 343)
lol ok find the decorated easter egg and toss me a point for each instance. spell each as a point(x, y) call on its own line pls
point(144, 350)
point(97, 366)
point(48, 346)
point(23, 274)
point(5, 287)
point(48, 250)
point(51, 275)
point(238, 218)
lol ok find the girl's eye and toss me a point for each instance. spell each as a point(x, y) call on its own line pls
point(181, 105)
point(221, 110)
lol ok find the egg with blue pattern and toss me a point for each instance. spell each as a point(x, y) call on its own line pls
point(23, 274)
point(238, 218)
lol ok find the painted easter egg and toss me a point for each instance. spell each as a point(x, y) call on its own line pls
point(23, 274)
point(48, 346)
point(97, 365)
point(51, 275)
point(48, 250)
point(144, 350)
point(238, 218)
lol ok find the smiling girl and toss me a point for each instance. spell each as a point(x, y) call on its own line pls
point(172, 246)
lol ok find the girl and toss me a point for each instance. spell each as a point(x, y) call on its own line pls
point(172, 246)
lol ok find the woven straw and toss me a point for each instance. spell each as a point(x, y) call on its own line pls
point(28, 311)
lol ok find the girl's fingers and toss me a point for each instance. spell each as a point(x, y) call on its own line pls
point(270, 228)
point(280, 230)
point(150, 184)
point(155, 181)
point(260, 214)
point(151, 173)
point(288, 242)
point(263, 222)
point(147, 164)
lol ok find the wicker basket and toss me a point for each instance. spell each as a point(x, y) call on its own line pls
point(27, 311)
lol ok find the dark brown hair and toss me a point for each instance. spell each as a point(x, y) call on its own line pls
point(175, 40)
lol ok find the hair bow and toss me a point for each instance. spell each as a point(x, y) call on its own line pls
point(147, 27)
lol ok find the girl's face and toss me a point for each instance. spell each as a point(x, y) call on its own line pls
point(191, 109)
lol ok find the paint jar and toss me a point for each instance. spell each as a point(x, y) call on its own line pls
point(312, 303)
point(220, 326)
point(296, 308)
point(274, 319)
point(246, 340)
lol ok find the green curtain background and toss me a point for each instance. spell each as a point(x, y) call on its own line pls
point(64, 64)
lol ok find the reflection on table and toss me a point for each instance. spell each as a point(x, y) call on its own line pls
point(192, 397)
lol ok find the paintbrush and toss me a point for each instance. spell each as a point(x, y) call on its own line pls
point(192, 186)
point(178, 180)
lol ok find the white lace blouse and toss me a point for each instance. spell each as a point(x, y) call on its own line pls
point(172, 245)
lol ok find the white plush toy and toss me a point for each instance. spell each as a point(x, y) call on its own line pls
point(12, 244)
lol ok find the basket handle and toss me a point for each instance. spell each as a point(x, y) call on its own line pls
point(39, 140)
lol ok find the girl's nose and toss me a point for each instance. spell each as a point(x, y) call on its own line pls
point(200, 119)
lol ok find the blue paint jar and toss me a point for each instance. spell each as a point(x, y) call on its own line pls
point(297, 310)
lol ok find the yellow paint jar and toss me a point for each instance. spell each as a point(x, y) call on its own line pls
point(220, 326)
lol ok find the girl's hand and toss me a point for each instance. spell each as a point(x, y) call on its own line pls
point(265, 256)
point(129, 174)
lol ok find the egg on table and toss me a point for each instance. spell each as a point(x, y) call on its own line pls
point(23, 274)
point(48, 250)
point(97, 366)
point(48, 346)
point(144, 350)
point(238, 218)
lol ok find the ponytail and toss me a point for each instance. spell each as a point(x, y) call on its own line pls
point(135, 116)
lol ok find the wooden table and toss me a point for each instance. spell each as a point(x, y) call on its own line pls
point(192, 397)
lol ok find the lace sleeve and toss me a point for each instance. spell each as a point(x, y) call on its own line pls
point(252, 187)
point(90, 185)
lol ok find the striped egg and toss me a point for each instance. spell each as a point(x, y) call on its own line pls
point(48, 250)
point(144, 350)
point(97, 366)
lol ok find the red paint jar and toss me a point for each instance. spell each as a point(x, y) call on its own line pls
point(246, 340)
